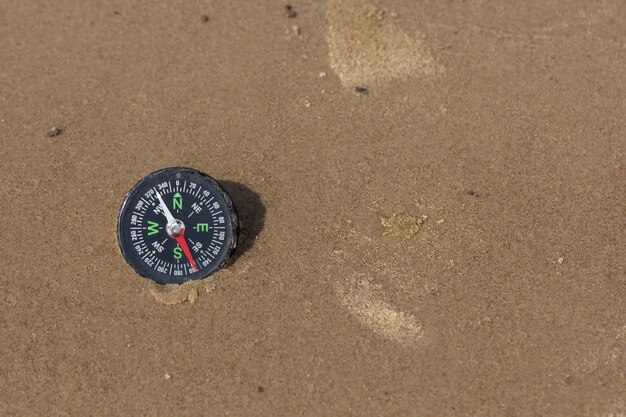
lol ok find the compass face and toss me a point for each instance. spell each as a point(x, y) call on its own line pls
point(176, 225)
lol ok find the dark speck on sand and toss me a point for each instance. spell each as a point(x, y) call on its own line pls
point(361, 90)
point(290, 12)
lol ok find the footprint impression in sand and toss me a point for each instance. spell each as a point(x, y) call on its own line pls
point(364, 300)
point(366, 47)
point(360, 294)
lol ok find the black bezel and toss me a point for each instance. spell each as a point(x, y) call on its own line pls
point(133, 259)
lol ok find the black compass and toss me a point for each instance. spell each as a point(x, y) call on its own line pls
point(176, 225)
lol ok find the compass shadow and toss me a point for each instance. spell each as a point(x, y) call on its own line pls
point(251, 214)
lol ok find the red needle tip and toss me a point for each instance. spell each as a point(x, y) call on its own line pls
point(183, 244)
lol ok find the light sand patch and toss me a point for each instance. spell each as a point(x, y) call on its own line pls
point(403, 225)
point(173, 294)
point(366, 47)
point(364, 300)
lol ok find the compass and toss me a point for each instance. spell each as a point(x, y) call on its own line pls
point(176, 225)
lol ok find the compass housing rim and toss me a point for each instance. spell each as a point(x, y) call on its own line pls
point(163, 279)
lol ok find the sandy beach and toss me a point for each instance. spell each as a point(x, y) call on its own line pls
point(433, 199)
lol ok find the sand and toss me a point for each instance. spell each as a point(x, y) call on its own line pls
point(366, 47)
point(365, 301)
point(433, 198)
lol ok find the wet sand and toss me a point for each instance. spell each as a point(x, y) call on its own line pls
point(433, 197)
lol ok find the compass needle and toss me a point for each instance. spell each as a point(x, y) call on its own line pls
point(189, 251)
point(166, 211)
point(183, 244)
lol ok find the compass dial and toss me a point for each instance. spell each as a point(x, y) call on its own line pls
point(176, 225)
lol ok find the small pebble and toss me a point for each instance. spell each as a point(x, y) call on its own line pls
point(204, 18)
point(54, 131)
point(322, 74)
point(193, 295)
point(560, 260)
point(307, 103)
point(296, 30)
point(168, 376)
